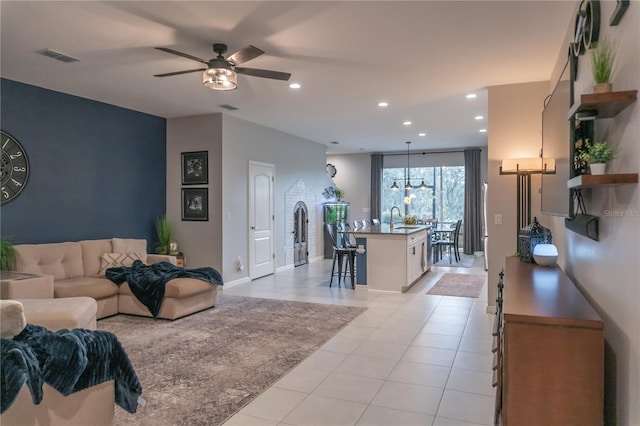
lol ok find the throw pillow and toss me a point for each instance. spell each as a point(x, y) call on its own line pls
point(12, 320)
point(130, 245)
point(113, 260)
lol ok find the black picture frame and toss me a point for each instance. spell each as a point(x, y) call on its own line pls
point(195, 204)
point(195, 168)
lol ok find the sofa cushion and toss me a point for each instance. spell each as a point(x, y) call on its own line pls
point(66, 312)
point(178, 288)
point(98, 288)
point(92, 250)
point(62, 260)
point(113, 260)
point(130, 245)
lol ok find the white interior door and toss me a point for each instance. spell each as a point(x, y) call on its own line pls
point(261, 219)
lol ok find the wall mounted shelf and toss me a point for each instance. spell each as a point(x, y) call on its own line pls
point(604, 105)
point(590, 181)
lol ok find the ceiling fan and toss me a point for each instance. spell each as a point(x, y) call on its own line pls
point(220, 73)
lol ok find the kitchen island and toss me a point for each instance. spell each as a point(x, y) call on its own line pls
point(395, 257)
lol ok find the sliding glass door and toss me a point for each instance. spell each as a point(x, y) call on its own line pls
point(442, 199)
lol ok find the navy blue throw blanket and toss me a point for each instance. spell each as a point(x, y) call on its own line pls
point(68, 361)
point(147, 282)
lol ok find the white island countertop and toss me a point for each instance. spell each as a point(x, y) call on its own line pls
point(385, 229)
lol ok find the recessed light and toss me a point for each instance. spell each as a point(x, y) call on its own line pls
point(383, 104)
point(295, 85)
point(422, 134)
point(407, 123)
point(471, 96)
point(479, 117)
point(483, 130)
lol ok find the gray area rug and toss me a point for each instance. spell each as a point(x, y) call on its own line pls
point(461, 285)
point(201, 369)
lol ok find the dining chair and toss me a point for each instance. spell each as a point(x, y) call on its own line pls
point(451, 243)
point(341, 252)
point(357, 224)
point(375, 221)
point(365, 223)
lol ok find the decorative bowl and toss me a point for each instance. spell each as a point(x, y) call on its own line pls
point(545, 254)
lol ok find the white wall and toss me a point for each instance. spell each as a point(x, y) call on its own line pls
point(608, 271)
point(232, 143)
point(294, 158)
point(515, 131)
point(353, 175)
point(201, 242)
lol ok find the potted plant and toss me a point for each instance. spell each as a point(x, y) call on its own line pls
point(602, 57)
point(163, 230)
point(333, 193)
point(597, 155)
point(7, 255)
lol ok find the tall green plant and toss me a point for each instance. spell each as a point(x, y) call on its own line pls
point(7, 255)
point(602, 57)
point(163, 230)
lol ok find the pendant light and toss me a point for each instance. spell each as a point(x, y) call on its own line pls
point(423, 185)
point(408, 186)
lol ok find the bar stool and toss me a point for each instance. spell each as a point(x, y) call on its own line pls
point(341, 252)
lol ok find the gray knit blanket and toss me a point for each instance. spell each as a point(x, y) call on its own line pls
point(67, 360)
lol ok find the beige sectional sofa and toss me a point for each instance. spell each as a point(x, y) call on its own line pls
point(78, 269)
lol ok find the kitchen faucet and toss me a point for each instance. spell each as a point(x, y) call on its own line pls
point(391, 219)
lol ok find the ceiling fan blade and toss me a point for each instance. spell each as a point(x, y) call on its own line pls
point(276, 75)
point(184, 55)
point(246, 54)
point(168, 74)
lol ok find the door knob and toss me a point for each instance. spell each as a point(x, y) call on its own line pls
point(253, 227)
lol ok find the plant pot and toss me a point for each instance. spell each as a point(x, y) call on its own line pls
point(598, 168)
point(602, 88)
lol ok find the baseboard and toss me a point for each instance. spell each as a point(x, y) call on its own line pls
point(236, 282)
point(491, 309)
point(317, 259)
point(285, 268)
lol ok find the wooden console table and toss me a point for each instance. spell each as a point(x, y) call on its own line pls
point(551, 354)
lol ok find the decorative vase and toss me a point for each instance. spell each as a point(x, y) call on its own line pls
point(602, 88)
point(173, 247)
point(597, 168)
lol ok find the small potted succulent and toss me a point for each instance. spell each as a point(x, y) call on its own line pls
point(602, 57)
point(597, 155)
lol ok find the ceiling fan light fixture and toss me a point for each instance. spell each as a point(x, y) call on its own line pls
point(220, 79)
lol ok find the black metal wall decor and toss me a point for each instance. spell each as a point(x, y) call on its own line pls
point(621, 7)
point(586, 30)
point(529, 237)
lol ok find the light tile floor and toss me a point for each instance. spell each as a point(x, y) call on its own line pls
point(410, 359)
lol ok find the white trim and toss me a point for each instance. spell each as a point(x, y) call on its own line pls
point(491, 309)
point(316, 259)
point(285, 268)
point(235, 282)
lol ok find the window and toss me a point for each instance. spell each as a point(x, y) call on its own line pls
point(443, 199)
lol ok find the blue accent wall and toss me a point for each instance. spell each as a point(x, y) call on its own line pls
point(97, 170)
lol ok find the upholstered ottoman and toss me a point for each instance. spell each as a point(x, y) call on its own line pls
point(183, 296)
point(66, 312)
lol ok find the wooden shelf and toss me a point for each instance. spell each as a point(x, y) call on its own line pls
point(605, 105)
point(589, 181)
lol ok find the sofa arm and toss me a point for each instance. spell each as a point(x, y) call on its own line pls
point(155, 258)
point(16, 285)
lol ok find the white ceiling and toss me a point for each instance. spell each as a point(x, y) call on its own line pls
point(422, 57)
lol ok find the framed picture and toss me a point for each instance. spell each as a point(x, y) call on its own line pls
point(195, 170)
point(195, 204)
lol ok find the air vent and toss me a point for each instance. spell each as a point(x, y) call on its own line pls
point(228, 107)
point(334, 142)
point(57, 55)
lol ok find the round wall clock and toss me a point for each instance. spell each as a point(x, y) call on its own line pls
point(331, 170)
point(15, 167)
